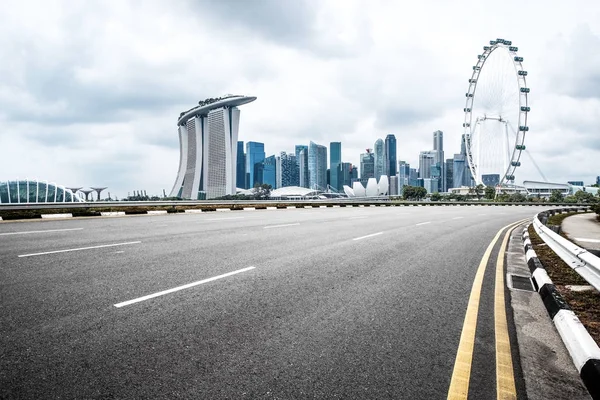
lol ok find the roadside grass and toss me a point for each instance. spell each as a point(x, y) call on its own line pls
point(586, 305)
point(560, 273)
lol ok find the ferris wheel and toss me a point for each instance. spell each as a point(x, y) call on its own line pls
point(496, 114)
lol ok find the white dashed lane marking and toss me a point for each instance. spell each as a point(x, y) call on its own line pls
point(178, 288)
point(78, 249)
point(45, 231)
point(368, 236)
point(281, 226)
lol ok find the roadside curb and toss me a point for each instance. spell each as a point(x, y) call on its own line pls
point(582, 348)
point(57, 216)
point(157, 212)
point(112, 213)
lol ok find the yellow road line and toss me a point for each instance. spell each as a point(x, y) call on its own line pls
point(505, 378)
point(459, 383)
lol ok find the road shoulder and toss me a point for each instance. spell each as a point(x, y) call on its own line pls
point(547, 368)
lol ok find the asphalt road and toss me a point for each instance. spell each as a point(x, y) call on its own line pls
point(339, 303)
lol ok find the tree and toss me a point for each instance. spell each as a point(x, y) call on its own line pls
point(479, 191)
point(556, 196)
point(584, 197)
point(413, 192)
point(503, 198)
point(435, 196)
point(517, 198)
point(262, 192)
point(490, 192)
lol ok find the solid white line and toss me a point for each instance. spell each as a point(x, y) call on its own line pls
point(367, 236)
point(222, 219)
point(423, 223)
point(280, 226)
point(458, 218)
point(587, 240)
point(178, 288)
point(49, 230)
point(78, 249)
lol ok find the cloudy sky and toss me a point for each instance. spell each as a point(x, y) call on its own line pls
point(90, 91)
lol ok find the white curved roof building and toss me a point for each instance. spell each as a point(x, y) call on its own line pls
point(208, 137)
point(34, 191)
point(293, 192)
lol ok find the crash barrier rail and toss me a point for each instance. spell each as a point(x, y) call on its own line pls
point(101, 208)
point(265, 203)
point(582, 261)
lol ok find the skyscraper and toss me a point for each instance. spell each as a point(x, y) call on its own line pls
point(289, 170)
point(317, 166)
point(240, 173)
point(438, 148)
point(426, 161)
point(270, 171)
point(208, 148)
point(379, 158)
point(353, 174)
point(459, 172)
point(255, 155)
point(302, 182)
point(449, 173)
point(403, 173)
point(346, 174)
point(303, 167)
point(367, 165)
point(390, 155)
point(335, 161)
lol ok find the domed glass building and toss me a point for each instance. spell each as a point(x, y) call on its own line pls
point(33, 191)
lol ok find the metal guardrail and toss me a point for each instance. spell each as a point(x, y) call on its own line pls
point(266, 203)
point(582, 261)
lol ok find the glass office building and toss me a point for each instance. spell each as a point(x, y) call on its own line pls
point(390, 155)
point(335, 161)
point(255, 155)
point(317, 166)
point(379, 158)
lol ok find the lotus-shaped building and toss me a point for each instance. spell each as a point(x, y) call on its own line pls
point(373, 188)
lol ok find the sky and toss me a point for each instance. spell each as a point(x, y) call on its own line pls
point(90, 92)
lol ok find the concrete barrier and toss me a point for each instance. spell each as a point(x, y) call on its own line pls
point(57, 216)
point(112, 213)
